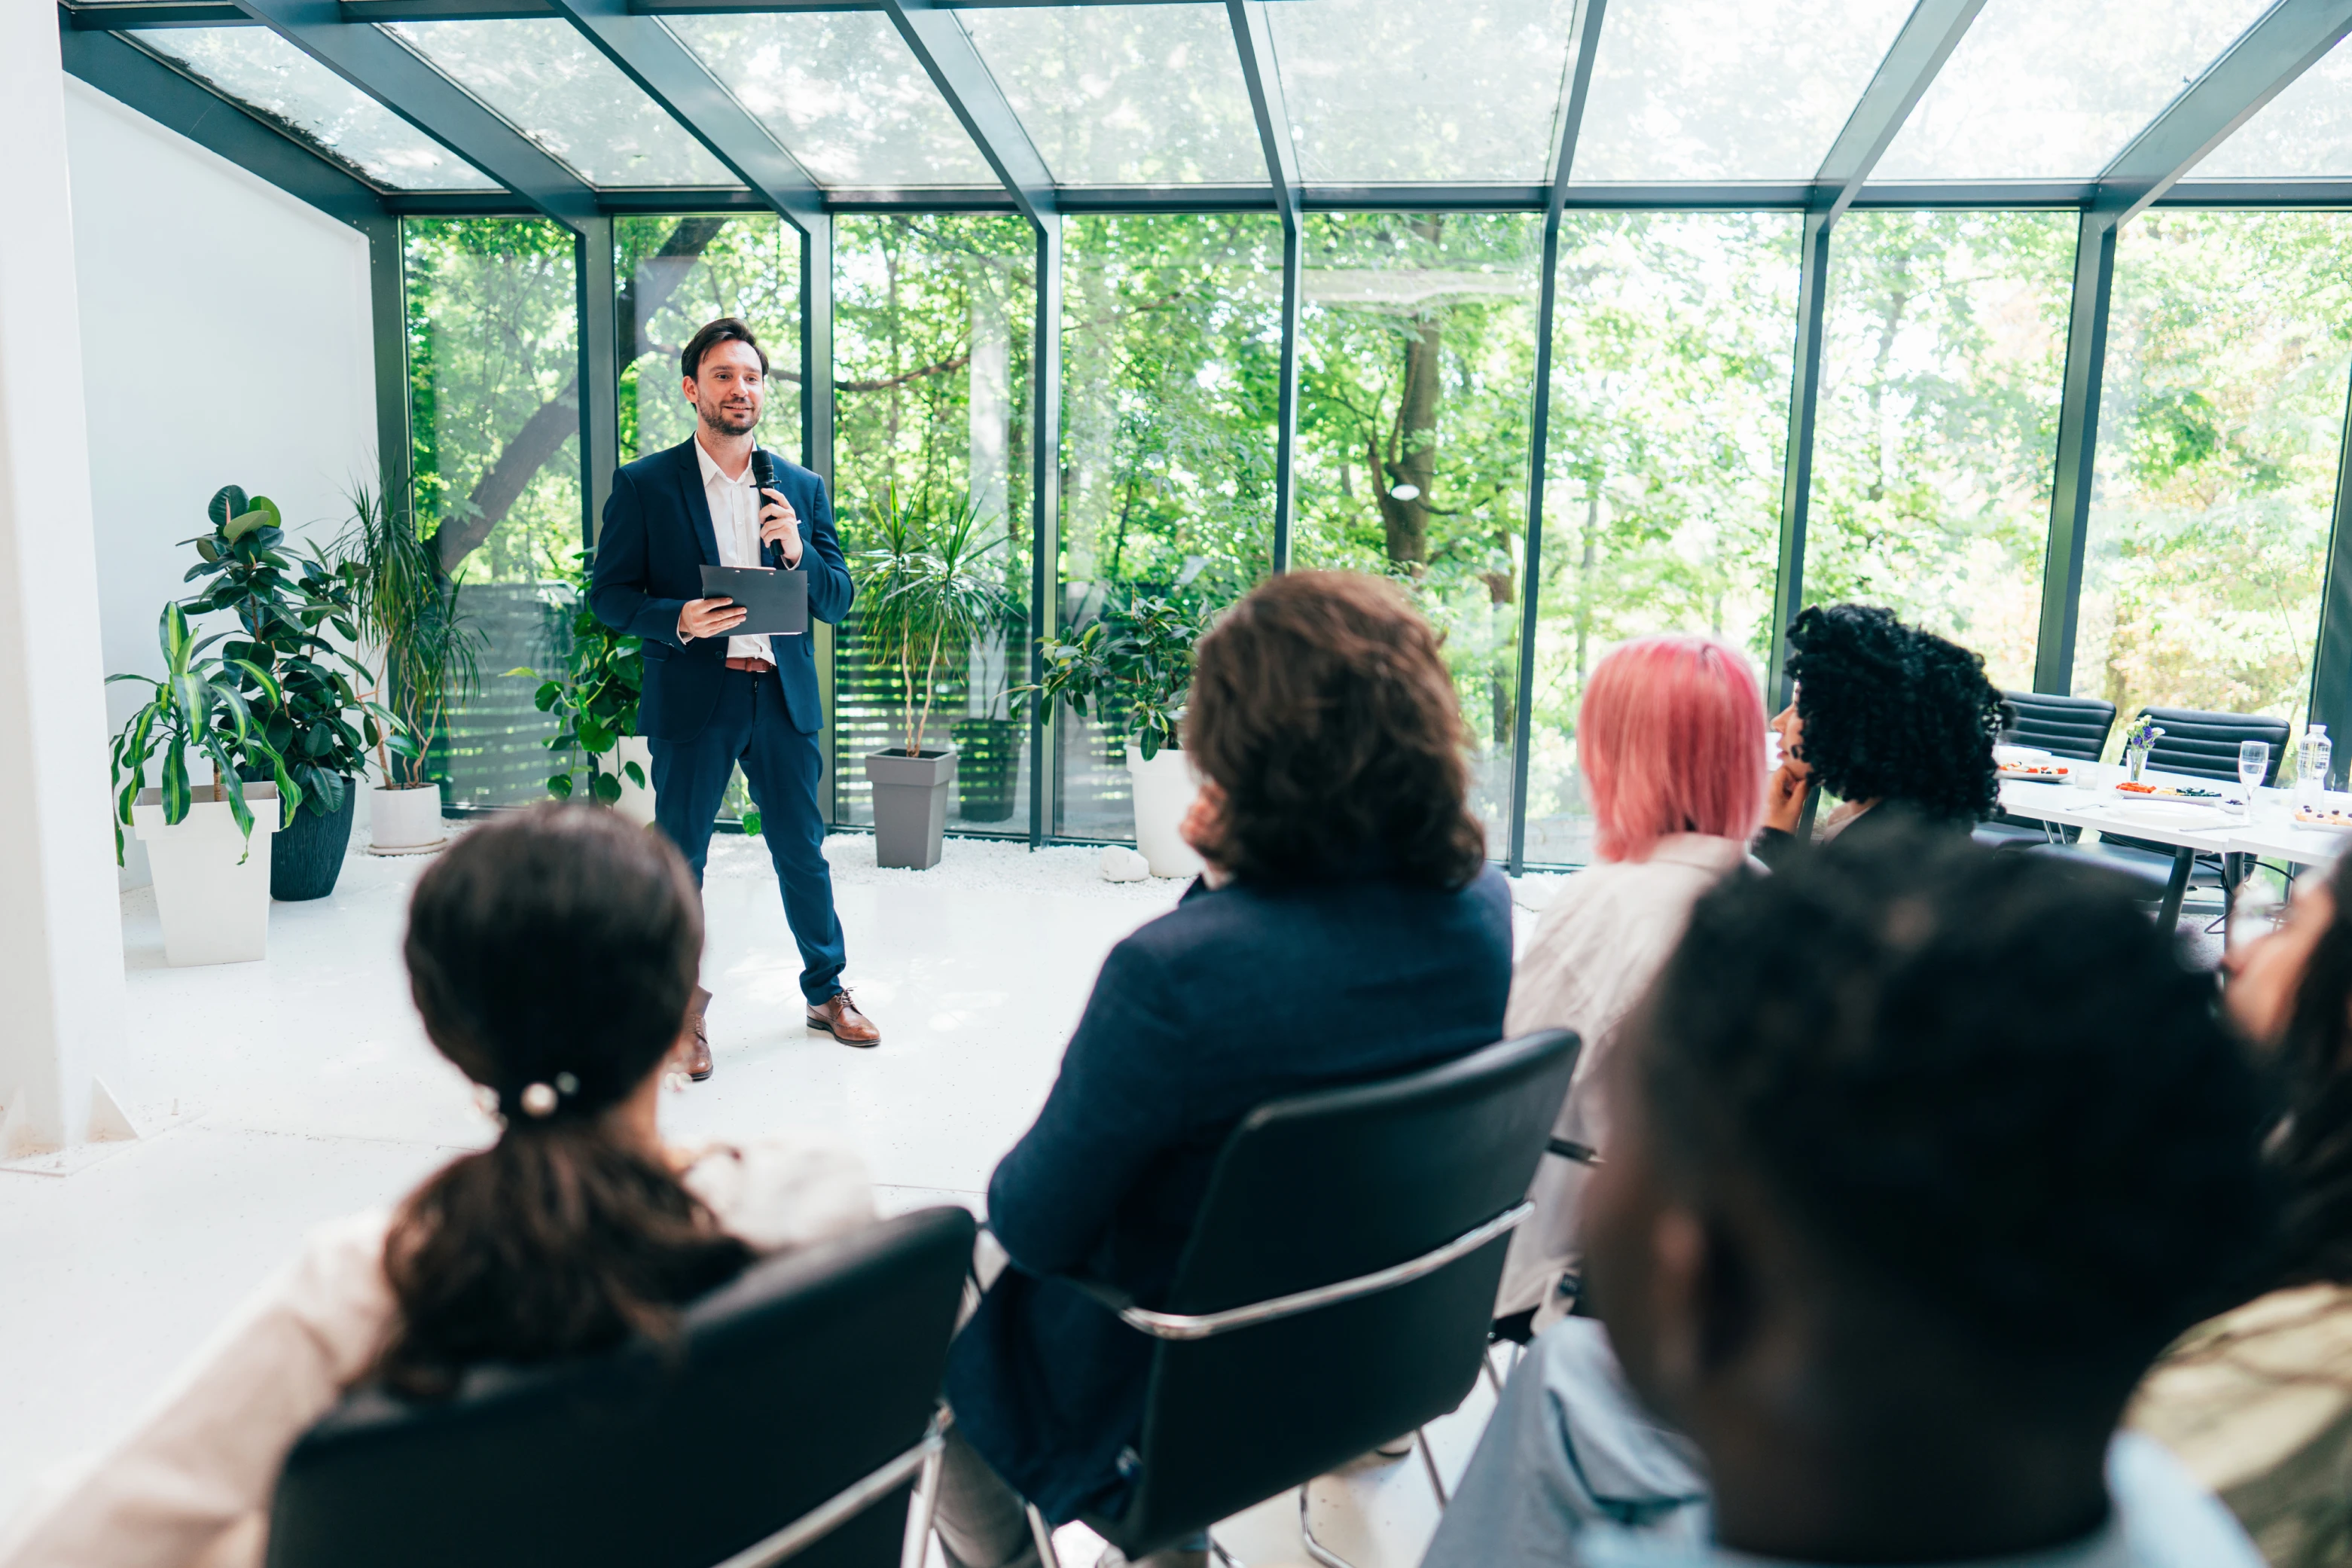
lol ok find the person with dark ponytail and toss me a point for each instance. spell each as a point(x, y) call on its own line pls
point(552, 955)
point(2258, 1400)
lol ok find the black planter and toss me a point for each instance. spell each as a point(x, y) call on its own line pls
point(988, 767)
point(307, 855)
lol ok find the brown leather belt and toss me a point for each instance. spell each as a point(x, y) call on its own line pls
point(750, 666)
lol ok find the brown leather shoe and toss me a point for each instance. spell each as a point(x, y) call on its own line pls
point(694, 1049)
point(837, 1015)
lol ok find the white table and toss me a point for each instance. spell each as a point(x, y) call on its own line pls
point(2069, 806)
point(2283, 841)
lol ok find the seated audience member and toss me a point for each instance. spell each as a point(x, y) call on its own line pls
point(1670, 737)
point(551, 954)
point(1348, 930)
point(1897, 1211)
point(1883, 714)
point(2258, 1402)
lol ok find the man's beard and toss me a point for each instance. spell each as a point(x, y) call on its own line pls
point(730, 421)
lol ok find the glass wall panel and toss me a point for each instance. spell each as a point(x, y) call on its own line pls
point(1674, 85)
point(675, 274)
point(1943, 354)
point(1417, 364)
point(551, 83)
point(842, 93)
point(259, 69)
point(2219, 425)
point(932, 318)
point(2304, 133)
point(1171, 349)
point(1671, 349)
point(493, 367)
point(1423, 90)
point(1125, 94)
point(2042, 91)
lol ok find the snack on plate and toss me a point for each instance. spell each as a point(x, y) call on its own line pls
point(2331, 818)
point(2035, 771)
point(2166, 792)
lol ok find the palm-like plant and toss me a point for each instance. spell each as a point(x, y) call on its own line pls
point(197, 705)
point(932, 589)
point(403, 605)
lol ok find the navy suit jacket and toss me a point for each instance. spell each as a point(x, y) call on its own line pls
point(1234, 997)
point(657, 539)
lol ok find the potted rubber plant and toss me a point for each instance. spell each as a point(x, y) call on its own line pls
point(211, 890)
point(932, 587)
point(286, 601)
point(1132, 666)
point(407, 616)
point(595, 702)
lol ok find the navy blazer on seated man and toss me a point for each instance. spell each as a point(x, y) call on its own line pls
point(704, 719)
point(1236, 996)
point(657, 536)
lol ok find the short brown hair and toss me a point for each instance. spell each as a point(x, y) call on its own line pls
point(725, 329)
point(1321, 707)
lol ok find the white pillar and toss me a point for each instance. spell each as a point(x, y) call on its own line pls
point(62, 1001)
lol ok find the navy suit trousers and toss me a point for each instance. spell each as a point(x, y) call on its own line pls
point(750, 726)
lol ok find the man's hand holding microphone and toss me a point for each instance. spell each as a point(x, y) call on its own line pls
point(779, 526)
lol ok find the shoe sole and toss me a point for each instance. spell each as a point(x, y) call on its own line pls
point(822, 1028)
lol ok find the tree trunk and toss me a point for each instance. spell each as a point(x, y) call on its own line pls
point(1411, 457)
point(1586, 562)
point(543, 435)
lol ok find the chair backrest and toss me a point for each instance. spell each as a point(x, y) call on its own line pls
point(808, 1373)
point(2062, 726)
point(1313, 1190)
point(2206, 744)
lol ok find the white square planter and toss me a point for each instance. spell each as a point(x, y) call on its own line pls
point(212, 893)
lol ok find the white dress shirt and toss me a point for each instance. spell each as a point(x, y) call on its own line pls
point(190, 1487)
point(735, 519)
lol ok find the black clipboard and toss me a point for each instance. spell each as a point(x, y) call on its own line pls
point(777, 600)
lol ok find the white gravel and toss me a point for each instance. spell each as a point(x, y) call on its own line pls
point(980, 864)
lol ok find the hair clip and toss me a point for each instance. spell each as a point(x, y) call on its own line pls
point(538, 1099)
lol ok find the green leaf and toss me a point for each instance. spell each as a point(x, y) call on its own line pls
point(606, 788)
point(560, 786)
point(548, 695)
point(636, 774)
point(226, 503)
point(176, 784)
point(751, 824)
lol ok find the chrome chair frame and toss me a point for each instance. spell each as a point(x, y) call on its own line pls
point(855, 1498)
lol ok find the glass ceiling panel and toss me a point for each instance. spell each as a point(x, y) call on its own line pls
point(2304, 133)
point(1675, 86)
point(1423, 90)
point(2055, 88)
point(256, 66)
point(842, 94)
point(1125, 94)
point(551, 84)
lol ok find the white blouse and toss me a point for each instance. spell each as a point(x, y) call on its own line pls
point(1594, 952)
point(191, 1485)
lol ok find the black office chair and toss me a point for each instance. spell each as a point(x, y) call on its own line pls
point(2071, 727)
point(788, 1419)
point(2202, 745)
point(1338, 1286)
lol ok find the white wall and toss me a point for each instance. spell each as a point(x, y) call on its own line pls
point(225, 340)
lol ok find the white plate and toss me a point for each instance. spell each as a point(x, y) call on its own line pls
point(2166, 813)
point(2319, 827)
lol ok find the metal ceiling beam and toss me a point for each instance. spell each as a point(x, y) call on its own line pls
point(375, 63)
point(1929, 34)
point(2289, 39)
point(948, 58)
point(652, 56)
point(1253, 42)
point(2076, 460)
point(129, 74)
point(1578, 90)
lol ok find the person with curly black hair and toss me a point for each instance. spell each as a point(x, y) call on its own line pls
point(1883, 714)
point(1897, 1214)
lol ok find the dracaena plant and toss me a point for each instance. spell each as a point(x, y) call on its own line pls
point(406, 611)
point(934, 585)
point(197, 707)
point(286, 601)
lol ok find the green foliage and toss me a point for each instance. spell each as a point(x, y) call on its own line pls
point(1133, 663)
point(402, 605)
point(934, 583)
point(594, 702)
point(285, 602)
point(197, 707)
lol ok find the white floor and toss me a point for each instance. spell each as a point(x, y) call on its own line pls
point(275, 1095)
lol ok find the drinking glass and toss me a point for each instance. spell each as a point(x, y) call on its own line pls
point(2253, 762)
point(2254, 910)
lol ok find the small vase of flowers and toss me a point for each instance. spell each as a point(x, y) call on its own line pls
point(2138, 740)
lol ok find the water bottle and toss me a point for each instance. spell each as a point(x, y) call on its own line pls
point(2311, 768)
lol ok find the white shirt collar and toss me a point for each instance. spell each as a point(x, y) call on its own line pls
point(712, 473)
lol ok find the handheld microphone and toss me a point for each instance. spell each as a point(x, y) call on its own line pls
point(764, 476)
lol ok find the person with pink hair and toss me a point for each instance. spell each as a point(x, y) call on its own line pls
point(1670, 739)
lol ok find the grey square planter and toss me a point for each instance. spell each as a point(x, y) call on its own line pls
point(910, 805)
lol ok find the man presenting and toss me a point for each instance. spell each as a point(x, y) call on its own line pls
point(712, 701)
